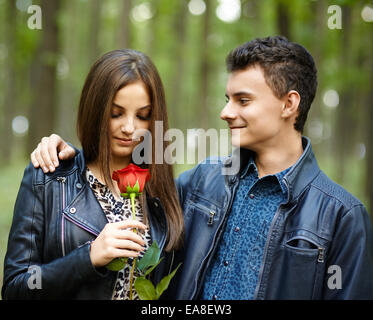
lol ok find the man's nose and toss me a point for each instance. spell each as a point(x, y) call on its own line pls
point(228, 112)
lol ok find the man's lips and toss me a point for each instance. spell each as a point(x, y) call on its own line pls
point(236, 127)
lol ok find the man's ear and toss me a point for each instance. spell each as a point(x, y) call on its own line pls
point(291, 103)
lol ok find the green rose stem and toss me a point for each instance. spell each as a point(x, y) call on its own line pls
point(132, 197)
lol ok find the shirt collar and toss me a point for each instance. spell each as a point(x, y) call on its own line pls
point(252, 168)
point(299, 176)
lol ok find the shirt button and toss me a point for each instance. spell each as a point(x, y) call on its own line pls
point(236, 229)
point(225, 262)
point(214, 297)
point(251, 195)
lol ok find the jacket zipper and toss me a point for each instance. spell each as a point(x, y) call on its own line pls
point(265, 254)
point(211, 218)
point(266, 249)
point(217, 235)
point(320, 257)
point(62, 180)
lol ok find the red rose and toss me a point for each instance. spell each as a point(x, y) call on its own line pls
point(131, 179)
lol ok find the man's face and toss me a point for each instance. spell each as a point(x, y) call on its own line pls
point(252, 112)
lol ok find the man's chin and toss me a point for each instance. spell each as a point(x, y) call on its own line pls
point(237, 143)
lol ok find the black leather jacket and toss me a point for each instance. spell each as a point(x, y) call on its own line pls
point(56, 216)
point(321, 227)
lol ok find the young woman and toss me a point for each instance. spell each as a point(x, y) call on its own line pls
point(70, 223)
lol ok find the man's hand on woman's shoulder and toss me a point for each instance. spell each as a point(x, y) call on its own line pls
point(45, 154)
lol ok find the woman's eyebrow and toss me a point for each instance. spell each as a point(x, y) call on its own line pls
point(120, 107)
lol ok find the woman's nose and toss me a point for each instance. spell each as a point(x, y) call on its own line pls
point(128, 125)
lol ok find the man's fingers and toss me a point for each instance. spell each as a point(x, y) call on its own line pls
point(39, 159)
point(66, 152)
point(34, 162)
point(46, 150)
point(53, 147)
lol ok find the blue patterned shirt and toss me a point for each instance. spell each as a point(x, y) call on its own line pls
point(234, 270)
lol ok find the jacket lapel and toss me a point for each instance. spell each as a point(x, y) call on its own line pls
point(86, 212)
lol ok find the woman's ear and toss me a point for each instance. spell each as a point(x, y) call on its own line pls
point(291, 103)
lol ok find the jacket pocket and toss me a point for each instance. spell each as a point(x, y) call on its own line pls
point(303, 245)
point(299, 267)
point(203, 207)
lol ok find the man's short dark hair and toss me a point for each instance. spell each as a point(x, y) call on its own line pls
point(286, 66)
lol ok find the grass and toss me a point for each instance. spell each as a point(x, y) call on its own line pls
point(10, 179)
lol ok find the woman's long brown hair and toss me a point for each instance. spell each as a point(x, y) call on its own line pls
point(110, 73)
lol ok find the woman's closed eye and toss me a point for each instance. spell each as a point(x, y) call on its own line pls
point(144, 115)
point(116, 115)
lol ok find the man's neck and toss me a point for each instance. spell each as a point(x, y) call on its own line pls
point(279, 157)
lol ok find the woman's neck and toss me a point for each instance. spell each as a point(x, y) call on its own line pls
point(95, 169)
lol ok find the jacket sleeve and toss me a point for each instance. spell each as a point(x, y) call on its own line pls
point(350, 263)
point(26, 276)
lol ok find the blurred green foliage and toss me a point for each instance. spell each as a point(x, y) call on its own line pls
point(189, 51)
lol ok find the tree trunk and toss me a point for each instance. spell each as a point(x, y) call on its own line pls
point(283, 21)
point(43, 77)
point(343, 137)
point(95, 23)
point(10, 99)
point(177, 78)
point(205, 67)
point(124, 40)
point(369, 140)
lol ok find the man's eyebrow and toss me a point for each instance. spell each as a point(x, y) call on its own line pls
point(240, 93)
point(118, 106)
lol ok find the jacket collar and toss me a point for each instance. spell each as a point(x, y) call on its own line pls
point(80, 160)
point(303, 172)
point(296, 180)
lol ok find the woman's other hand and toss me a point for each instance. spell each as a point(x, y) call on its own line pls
point(117, 240)
point(45, 155)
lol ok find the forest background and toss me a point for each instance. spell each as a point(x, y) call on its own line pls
point(43, 65)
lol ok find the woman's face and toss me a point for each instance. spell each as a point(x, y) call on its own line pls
point(131, 111)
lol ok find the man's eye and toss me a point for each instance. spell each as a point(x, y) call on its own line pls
point(244, 101)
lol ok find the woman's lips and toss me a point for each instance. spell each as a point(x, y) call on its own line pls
point(124, 142)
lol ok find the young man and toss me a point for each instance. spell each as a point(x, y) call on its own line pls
point(280, 228)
